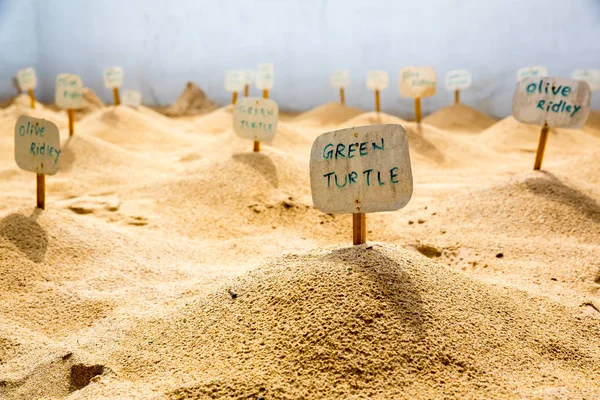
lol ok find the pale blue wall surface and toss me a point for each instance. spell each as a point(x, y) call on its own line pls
point(163, 44)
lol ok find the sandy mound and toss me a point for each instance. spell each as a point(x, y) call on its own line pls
point(21, 106)
point(192, 101)
point(377, 322)
point(215, 122)
point(328, 114)
point(592, 125)
point(459, 118)
point(371, 118)
point(582, 168)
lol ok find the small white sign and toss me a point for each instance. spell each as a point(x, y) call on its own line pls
point(459, 79)
point(131, 98)
point(416, 82)
point(377, 80)
point(113, 77)
point(37, 145)
point(250, 74)
point(235, 80)
point(361, 170)
point(255, 118)
point(591, 76)
point(560, 102)
point(264, 76)
point(69, 91)
point(340, 79)
point(536, 71)
point(27, 79)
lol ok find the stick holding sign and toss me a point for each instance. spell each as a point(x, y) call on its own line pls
point(341, 80)
point(249, 80)
point(377, 81)
point(361, 170)
point(456, 81)
point(27, 80)
point(418, 82)
point(234, 83)
point(256, 119)
point(69, 96)
point(113, 79)
point(37, 149)
point(552, 103)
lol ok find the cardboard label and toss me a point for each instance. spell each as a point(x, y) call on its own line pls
point(361, 170)
point(536, 71)
point(113, 77)
point(561, 102)
point(26, 78)
point(418, 82)
point(459, 79)
point(255, 118)
point(264, 76)
point(37, 145)
point(250, 74)
point(340, 79)
point(235, 81)
point(131, 98)
point(591, 76)
point(69, 91)
point(377, 80)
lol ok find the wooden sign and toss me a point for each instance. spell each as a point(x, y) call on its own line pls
point(457, 80)
point(132, 98)
point(28, 81)
point(256, 119)
point(234, 83)
point(361, 170)
point(265, 78)
point(69, 92)
point(536, 71)
point(37, 149)
point(113, 77)
point(341, 80)
point(551, 102)
point(417, 82)
point(591, 76)
point(249, 74)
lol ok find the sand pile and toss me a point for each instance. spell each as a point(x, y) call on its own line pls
point(327, 114)
point(215, 122)
point(360, 322)
point(459, 118)
point(22, 106)
point(192, 101)
point(592, 125)
point(584, 168)
point(371, 118)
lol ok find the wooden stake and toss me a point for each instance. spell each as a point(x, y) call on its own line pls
point(116, 96)
point(359, 228)
point(342, 96)
point(246, 90)
point(256, 148)
point(32, 98)
point(265, 93)
point(539, 156)
point(418, 110)
point(456, 96)
point(71, 113)
point(41, 191)
point(233, 98)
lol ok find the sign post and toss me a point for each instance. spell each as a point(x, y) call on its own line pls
point(69, 96)
point(37, 149)
point(361, 170)
point(249, 80)
point(234, 83)
point(255, 119)
point(264, 80)
point(457, 80)
point(591, 76)
point(551, 103)
point(417, 82)
point(27, 80)
point(113, 79)
point(377, 81)
point(340, 80)
point(132, 98)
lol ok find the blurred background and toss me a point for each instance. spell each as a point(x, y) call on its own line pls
point(163, 44)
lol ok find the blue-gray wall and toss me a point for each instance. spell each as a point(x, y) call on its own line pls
point(163, 44)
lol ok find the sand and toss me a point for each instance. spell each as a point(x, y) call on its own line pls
point(173, 262)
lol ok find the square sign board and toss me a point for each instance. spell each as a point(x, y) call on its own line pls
point(417, 82)
point(377, 80)
point(235, 80)
point(113, 77)
point(132, 98)
point(69, 91)
point(340, 79)
point(361, 170)
point(27, 79)
point(560, 102)
point(37, 145)
point(264, 76)
point(459, 79)
point(591, 76)
point(255, 118)
point(536, 71)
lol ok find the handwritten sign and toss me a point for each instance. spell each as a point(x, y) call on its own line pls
point(235, 81)
point(113, 77)
point(559, 102)
point(459, 79)
point(264, 76)
point(27, 79)
point(250, 75)
point(591, 76)
point(37, 145)
point(69, 91)
point(361, 170)
point(340, 79)
point(377, 80)
point(132, 98)
point(255, 118)
point(537, 71)
point(417, 82)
